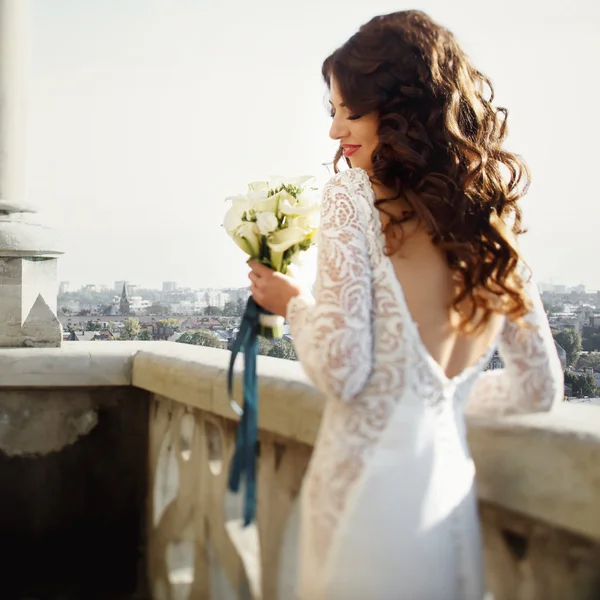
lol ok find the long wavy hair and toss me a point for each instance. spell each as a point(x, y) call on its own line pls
point(440, 151)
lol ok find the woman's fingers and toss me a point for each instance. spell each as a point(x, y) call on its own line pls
point(257, 294)
point(260, 269)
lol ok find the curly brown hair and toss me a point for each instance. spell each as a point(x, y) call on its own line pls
point(440, 150)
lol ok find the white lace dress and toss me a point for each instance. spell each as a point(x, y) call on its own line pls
point(388, 504)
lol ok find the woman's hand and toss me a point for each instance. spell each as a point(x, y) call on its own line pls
point(272, 290)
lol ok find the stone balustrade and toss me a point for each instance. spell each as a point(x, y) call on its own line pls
point(148, 425)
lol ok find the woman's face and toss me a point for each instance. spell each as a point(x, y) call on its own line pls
point(357, 134)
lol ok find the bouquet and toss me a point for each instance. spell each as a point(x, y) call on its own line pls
point(273, 223)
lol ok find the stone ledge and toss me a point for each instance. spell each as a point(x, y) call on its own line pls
point(542, 465)
point(75, 364)
point(289, 405)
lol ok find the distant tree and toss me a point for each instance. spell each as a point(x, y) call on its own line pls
point(145, 335)
point(64, 310)
point(131, 329)
point(93, 326)
point(264, 346)
point(234, 309)
point(105, 309)
point(84, 313)
point(158, 309)
point(172, 323)
point(200, 337)
point(283, 349)
point(230, 309)
point(589, 361)
point(213, 311)
point(570, 341)
point(582, 384)
point(241, 307)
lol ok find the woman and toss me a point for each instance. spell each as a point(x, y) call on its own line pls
point(419, 280)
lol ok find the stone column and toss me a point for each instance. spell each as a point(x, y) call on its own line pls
point(28, 250)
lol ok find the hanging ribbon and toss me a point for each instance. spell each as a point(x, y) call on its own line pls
point(243, 464)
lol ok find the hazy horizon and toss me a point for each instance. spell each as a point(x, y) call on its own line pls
point(145, 114)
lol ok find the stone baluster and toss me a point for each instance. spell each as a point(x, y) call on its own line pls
point(28, 250)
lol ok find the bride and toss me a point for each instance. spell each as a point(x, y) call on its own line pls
point(419, 280)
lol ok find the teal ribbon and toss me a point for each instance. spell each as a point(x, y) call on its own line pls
point(243, 464)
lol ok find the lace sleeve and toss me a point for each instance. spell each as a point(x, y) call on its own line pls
point(532, 379)
point(332, 333)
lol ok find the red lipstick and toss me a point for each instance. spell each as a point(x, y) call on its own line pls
point(350, 149)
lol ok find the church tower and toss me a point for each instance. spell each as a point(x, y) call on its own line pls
point(124, 305)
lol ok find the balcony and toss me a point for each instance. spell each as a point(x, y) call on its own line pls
point(114, 471)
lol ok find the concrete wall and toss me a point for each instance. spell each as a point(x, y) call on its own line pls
point(72, 514)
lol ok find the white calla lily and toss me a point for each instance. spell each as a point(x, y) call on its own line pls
point(287, 203)
point(258, 186)
point(258, 190)
point(247, 237)
point(275, 181)
point(308, 198)
point(282, 240)
point(308, 222)
point(270, 204)
point(235, 214)
point(297, 210)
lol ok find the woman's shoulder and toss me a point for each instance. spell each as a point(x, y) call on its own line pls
point(355, 184)
point(351, 178)
point(350, 190)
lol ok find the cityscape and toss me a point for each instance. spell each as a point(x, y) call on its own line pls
point(211, 317)
point(205, 317)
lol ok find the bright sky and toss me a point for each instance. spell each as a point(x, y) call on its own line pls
point(145, 114)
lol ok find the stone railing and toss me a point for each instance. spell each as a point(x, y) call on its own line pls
point(79, 413)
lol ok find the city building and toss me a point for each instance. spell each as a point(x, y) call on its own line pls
point(216, 298)
point(64, 288)
point(238, 294)
point(138, 306)
point(124, 303)
point(186, 307)
point(169, 286)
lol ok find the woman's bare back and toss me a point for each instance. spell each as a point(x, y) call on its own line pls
point(429, 289)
